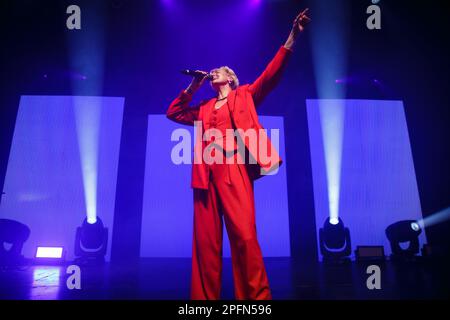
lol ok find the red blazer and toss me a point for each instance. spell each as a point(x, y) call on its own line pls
point(243, 102)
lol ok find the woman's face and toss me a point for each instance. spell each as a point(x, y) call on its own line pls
point(220, 77)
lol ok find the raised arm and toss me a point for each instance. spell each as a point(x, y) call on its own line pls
point(270, 77)
point(179, 110)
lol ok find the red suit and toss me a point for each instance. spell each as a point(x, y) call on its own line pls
point(227, 189)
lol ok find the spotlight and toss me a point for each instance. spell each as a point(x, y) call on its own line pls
point(401, 232)
point(91, 241)
point(334, 221)
point(435, 218)
point(13, 235)
point(415, 226)
point(334, 238)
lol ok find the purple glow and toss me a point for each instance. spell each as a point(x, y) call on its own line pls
point(168, 3)
point(255, 3)
point(346, 80)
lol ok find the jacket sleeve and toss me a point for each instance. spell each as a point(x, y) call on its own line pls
point(270, 77)
point(180, 111)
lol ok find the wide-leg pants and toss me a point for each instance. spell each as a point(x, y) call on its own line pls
point(234, 202)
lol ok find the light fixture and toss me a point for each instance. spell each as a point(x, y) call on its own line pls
point(49, 252)
point(334, 238)
point(404, 233)
point(13, 235)
point(91, 242)
point(49, 255)
point(369, 253)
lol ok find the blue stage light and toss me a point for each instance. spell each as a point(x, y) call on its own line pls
point(329, 49)
point(435, 218)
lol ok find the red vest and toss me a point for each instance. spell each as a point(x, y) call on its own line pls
point(242, 107)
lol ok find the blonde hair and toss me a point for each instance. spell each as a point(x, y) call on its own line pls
point(235, 83)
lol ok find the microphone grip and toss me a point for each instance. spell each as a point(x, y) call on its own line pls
point(194, 73)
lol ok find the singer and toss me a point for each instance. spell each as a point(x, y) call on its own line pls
point(224, 189)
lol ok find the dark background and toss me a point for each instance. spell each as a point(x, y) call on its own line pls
point(146, 43)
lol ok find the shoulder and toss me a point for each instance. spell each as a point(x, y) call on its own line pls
point(243, 87)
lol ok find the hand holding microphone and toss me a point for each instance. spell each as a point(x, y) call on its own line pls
point(196, 73)
point(198, 78)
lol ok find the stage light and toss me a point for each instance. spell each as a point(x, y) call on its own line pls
point(13, 235)
point(334, 221)
point(91, 242)
point(441, 216)
point(49, 255)
point(369, 253)
point(49, 252)
point(415, 226)
point(335, 243)
point(404, 232)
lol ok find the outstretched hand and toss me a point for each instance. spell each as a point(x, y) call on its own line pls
point(300, 22)
point(297, 26)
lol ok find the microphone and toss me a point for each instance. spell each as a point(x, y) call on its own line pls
point(195, 73)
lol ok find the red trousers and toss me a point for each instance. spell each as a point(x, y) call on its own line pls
point(235, 203)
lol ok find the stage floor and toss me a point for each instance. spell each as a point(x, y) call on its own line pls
point(169, 279)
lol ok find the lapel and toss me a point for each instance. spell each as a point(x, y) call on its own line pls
point(205, 110)
point(232, 99)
